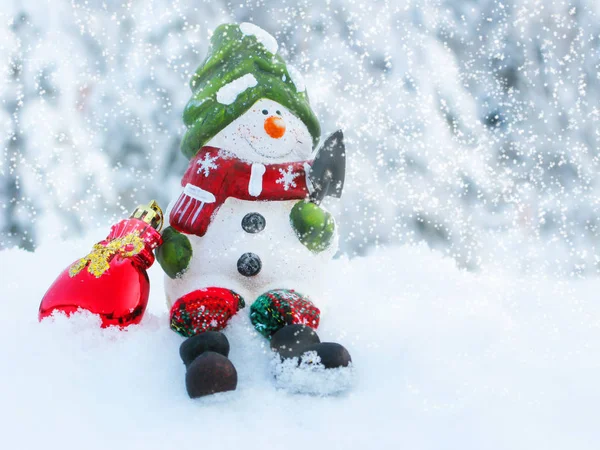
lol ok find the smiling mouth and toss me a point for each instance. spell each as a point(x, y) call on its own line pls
point(262, 154)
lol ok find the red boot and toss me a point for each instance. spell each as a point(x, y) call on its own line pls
point(206, 309)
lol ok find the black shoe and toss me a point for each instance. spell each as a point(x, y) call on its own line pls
point(292, 340)
point(295, 340)
point(209, 341)
point(332, 355)
point(210, 373)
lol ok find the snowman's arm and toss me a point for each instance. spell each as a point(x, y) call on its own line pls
point(314, 227)
point(175, 252)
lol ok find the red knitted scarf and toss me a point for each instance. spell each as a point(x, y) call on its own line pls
point(213, 176)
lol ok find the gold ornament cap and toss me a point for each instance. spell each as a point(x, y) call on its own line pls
point(151, 214)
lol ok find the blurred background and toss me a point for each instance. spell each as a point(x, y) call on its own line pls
point(471, 125)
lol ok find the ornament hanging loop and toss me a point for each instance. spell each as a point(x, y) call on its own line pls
point(151, 214)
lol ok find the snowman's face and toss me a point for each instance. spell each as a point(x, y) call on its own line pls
point(267, 133)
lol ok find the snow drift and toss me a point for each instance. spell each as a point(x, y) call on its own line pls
point(443, 359)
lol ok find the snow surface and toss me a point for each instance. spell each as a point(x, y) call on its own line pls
point(229, 92)
point(262, 36)
point(444, 359)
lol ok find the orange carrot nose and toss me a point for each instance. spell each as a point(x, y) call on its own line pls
point(275, 127)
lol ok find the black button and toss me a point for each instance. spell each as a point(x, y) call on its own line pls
point(249, 264)
point(253, 223)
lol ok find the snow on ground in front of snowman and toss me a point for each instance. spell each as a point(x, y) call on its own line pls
point(227, 94)
point(442, 359)
point(307, 376)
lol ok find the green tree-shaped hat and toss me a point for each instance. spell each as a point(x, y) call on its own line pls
point(242, 66)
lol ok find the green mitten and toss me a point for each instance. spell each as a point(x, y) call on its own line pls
point(175, 252)
point(313, 225)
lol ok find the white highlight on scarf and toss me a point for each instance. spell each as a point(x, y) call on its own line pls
point(189, 202)
point(197, 212)
point(198, 193)
point(256, 175)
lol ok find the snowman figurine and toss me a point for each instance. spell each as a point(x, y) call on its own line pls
point(247, 228)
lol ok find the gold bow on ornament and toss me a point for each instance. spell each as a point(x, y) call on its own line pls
point(101, 254)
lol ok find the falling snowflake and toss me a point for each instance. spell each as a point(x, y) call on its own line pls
point(206, 164)
point(287, 178)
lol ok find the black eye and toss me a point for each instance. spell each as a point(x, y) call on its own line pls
point(265, 112)
point(278, 112)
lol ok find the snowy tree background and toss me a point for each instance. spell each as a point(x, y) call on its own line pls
point(471, 125)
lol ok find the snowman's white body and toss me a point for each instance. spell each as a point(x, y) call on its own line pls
point(286, 262)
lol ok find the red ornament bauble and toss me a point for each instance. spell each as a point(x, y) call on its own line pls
point(111, 280)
